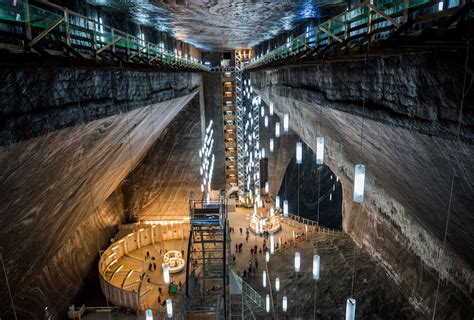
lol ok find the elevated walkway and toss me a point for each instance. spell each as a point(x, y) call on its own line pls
point(376, 28)
point(46, 32)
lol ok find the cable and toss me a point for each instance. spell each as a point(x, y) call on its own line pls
point(455, 160)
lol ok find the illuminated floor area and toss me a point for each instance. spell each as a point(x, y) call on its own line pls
point(139, 262)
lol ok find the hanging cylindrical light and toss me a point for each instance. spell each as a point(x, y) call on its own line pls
point(277, 129)
point(262, 154)
point(285, 208)
point(330, 197)
point(277, 284)
point(169, 308)
point(272, 244)
point(299, 153)
point(264, 279)
point(286, 122)
point(277, 202)
point(166, 273)
point(272, 211)
point(265, 121)
point(359, 181)
point(267, 186)
point(350, 309)
point(267, 303)
point(267, 256)
point(320, 150)
point(316, 267)
point(297, 261)
point(148, 314)
point(284, 304)
point(272, 145)
point(262, 111)
point(270, 108)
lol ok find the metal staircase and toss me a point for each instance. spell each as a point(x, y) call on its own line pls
point(245, 302)
point(207, 261)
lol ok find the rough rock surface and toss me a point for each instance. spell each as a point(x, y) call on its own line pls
point(53, 187)
point(39, 101)
point(238, 23)
point(408, 145)
point(160, 185)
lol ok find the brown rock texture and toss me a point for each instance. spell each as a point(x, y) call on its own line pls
point(54, 187)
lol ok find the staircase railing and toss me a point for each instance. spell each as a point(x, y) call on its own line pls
point(364, 23)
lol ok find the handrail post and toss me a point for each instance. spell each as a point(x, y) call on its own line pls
point(28, 35)
point(67, 38)
point(94, 38)
point(370, 22)
point(112, 31)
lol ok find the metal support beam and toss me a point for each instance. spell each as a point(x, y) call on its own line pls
point(329, 33)
point(108, 45)
point(53, 25)
point(387, 17)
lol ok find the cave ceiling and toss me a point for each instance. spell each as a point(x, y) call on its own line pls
point(219, 24)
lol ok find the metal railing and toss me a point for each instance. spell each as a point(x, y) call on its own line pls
point(294, 220)
point(362, 24)
point(58, 30)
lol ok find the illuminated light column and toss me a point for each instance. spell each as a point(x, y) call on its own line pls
point(285, 304)
point(264, 278)
point(316, 267)
point(272, 145)
point(359, 181)
point(267, 303)
point(272, 212)
point(169, 308)
point(277, 284)
point(166, 273)
point(277, 202)
point(272, 244)
point(267, 256)
point(299, 153)
point(350, 309)
point(267, 186)
point(148, 314)
point(265, 121)
point(285, 208)
point(270, 108)
point(277, 129)
point(286, 122)
point(320, 150)
point(297, 262)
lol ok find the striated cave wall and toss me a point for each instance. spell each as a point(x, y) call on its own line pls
point(68, 141)
point(408, 146)
point(159, 187)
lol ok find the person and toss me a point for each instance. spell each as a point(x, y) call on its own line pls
point(247, 238)
point(256, 264)
point(260, 250)
point(255, 249)
point(160, 291)
point(251, 251)
point(236, 247)
point(159, 300)
point(240, 231)
point(179, 284)
point(233, 259)
point(148, 254)
point(245, 273)
point(182, 253)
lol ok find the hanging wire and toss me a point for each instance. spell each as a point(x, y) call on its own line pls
point(455, 162)
point(8, 284)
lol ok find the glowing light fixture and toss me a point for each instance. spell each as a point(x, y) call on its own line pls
point(277, 202)
point(277, 129)
point(169, 308)
point(272, 244)
point(264, 278)
point(267, 256)
point(267, 186)
point(297, 262)
point(299, 153)
point(277, 284)
point(270, 108)
point(272, 145)
point(320, 150)
point(267, 303)
point(359, 181)
point(316, 267)
point(285, 208)
point(166, 273)
point(262, 111)
point(286, 122)
point(263, 153)
point(148, 314)
point(265, 121)
point(350, 309)
point(285, 304)
point(272, 211)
